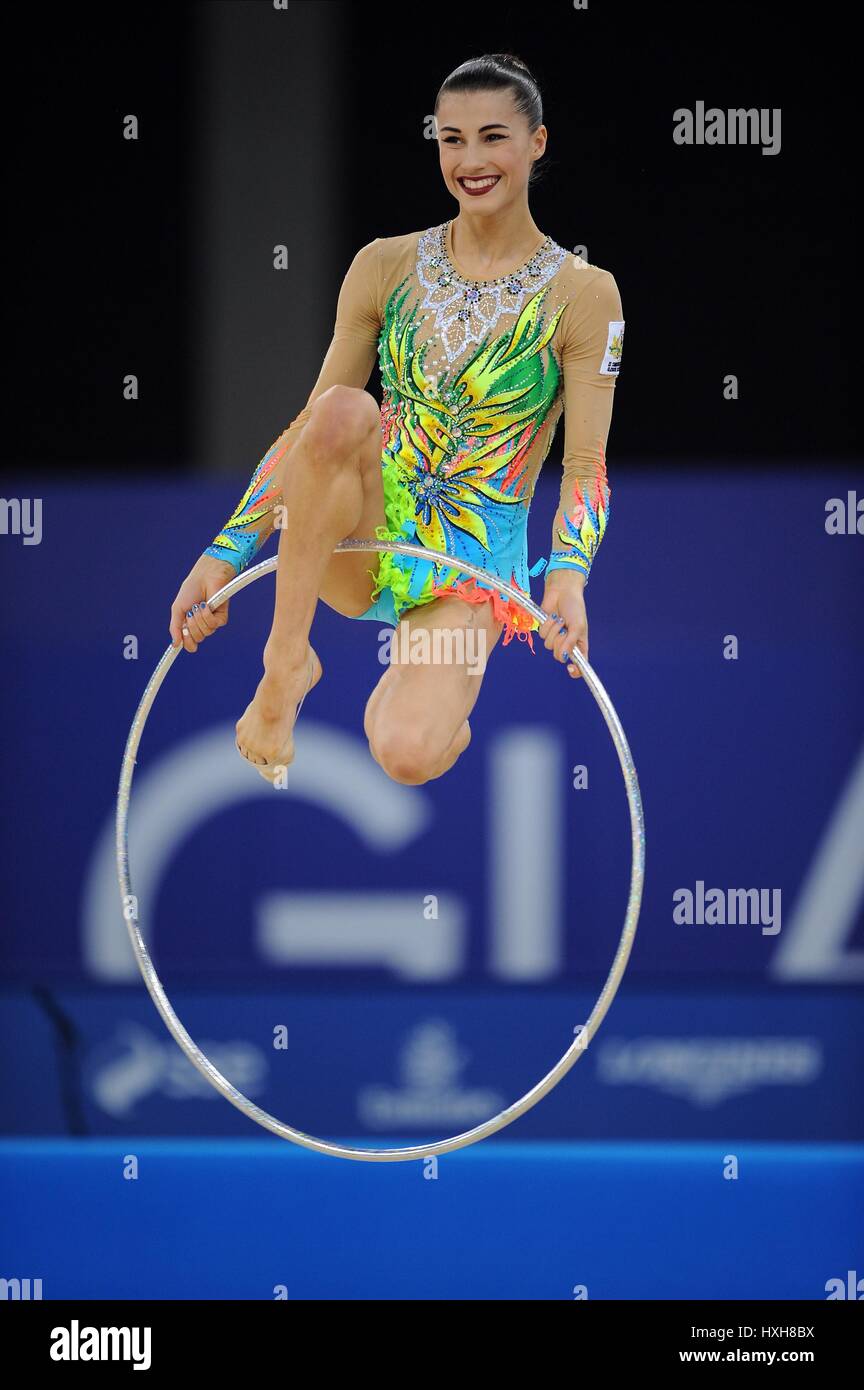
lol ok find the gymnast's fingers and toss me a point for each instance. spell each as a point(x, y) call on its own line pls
point(572, 667)
point(181, 634)
point(196, 623)
point(207, 620)
point(176, 624)
point(570, 634)
point(554, 632)
point(219, 615)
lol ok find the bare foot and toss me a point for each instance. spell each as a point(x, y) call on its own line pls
point(264, 733)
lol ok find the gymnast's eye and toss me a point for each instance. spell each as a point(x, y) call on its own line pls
point(454, 139)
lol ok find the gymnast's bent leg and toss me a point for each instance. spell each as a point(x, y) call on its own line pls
point(416, 718)
point(331, 489)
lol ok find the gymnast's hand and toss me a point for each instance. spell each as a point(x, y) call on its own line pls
point(564, 596)
point(189, 609)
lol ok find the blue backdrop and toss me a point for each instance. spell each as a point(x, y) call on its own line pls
point(446, 938)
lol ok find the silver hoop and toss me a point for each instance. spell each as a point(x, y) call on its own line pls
point(622, 954)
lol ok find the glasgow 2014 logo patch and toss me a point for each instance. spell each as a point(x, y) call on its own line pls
point(611, 364)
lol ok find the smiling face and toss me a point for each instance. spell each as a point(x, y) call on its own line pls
point(486, 148)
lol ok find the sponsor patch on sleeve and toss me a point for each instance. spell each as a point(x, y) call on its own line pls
point(611, 364)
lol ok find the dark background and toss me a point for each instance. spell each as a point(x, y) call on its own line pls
point(728, 260)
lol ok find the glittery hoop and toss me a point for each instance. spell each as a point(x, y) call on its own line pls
point(154, 985)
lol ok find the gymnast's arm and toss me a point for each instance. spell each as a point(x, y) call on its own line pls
point(592, 328)
point(348, 362)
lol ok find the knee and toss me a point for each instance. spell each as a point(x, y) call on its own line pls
point(339, 422)
point(405, 756)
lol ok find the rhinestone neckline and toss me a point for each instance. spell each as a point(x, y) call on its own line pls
point(511, 276)
point(465, 311)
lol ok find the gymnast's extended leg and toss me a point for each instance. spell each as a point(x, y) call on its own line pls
point(332, 490)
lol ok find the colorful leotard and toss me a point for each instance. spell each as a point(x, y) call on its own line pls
point(475, 375)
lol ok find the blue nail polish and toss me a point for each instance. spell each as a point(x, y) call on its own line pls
point(188, 612)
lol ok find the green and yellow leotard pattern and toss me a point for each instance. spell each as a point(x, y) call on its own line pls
point(475, 376)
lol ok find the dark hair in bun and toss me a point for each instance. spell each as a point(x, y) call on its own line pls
point(494, 72)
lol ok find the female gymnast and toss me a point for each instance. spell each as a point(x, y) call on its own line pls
point(485, 330)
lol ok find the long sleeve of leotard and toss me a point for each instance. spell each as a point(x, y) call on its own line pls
point(348, 362)
point(592, 330)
